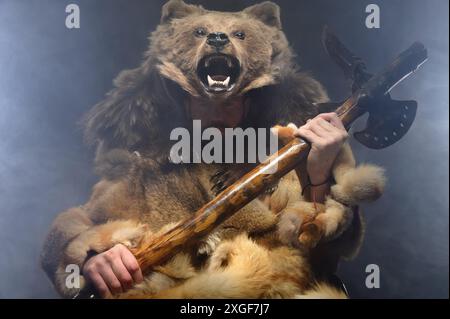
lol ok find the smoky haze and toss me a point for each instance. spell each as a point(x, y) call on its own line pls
point(50, 76)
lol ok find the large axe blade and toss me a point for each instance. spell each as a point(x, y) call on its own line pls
point(389, 120)
point(385, 129)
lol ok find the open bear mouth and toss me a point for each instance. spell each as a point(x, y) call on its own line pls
point(218, 72)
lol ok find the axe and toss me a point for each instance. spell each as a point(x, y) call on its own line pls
point(388, 122)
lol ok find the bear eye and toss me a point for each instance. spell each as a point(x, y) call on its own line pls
point(200, 32)
point(240, 35)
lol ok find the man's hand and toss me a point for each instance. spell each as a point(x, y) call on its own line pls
point(327, 134)
point(113, 271)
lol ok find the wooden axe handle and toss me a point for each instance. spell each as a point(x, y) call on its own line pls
point(229, 201)
point(156, 250)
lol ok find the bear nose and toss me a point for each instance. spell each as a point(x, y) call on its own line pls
point(217, 40)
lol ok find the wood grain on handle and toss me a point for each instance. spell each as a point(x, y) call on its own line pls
point(229, 201)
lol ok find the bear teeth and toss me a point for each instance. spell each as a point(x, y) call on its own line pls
point(210, 81)
point(223, 83)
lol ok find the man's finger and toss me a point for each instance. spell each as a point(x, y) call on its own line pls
point(327, 126)
point(110, 279)
point(100, 285)
point(132, 266)
point(319, 130)
point(308, 135)
point(333, 119)
point(122, 274)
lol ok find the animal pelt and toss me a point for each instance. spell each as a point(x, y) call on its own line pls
point(268, 248)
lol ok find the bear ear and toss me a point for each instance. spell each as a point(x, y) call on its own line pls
point(268, 12)
point(175, 9)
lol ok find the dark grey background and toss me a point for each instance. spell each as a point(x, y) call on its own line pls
point(49, 76)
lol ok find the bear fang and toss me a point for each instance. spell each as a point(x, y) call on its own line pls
point(191, 309)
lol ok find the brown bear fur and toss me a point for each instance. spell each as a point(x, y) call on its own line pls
point(254, 254)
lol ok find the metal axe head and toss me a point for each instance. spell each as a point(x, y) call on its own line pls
point(389, 120)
